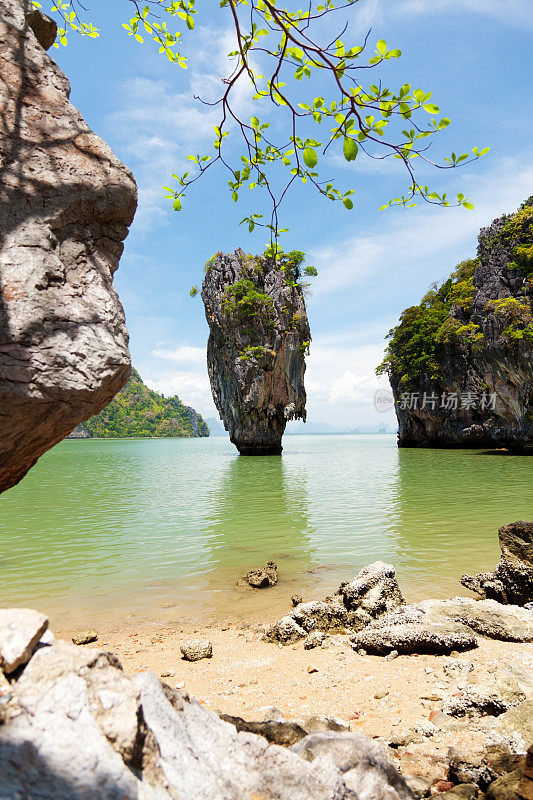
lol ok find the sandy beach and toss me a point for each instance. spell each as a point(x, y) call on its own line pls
point(246, 676)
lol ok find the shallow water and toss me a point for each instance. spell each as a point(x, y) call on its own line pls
point(100, 530)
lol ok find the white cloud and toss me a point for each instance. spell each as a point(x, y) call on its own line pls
point(191, 387)
point(183, 123)
point(183, 353)
point(405, 239)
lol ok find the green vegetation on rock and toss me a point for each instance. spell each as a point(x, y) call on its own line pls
point(417, 344)
point(428, 333)
point(139, 412)
point(518, 232)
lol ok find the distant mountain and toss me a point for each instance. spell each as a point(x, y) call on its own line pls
point(294, 428)
point(312, 427)
point(139, 412)
point(216, 428)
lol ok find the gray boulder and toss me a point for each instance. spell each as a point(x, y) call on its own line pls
point(366, 769)
point(512, 580)
point(374, 589)
point(440, 626)
point(66, 203)
point(285, 631)
point(314, 639)
point(493, 692)
point(408, 637)
point(83, 729)
point(319, 615)
point(514, 728)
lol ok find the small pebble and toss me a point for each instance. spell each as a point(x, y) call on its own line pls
point(382, 693)
point(85, 637)
point(311, 668)
point(392, 655)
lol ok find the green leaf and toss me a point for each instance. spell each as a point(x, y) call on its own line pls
point(176, 205)
point(310, 157)
point(350, 149)
point(348, 203)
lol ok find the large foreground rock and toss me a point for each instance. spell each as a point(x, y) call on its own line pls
point(83, 729)
point(20, 631)
point(512, 580)
point(259, 334)
point(65, 206)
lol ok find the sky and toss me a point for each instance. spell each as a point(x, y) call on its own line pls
point(476, 58)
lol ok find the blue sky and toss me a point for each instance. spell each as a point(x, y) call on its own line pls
point(475, 55)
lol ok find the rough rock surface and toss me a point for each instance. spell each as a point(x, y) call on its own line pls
point(498, 364)
point(515, 727)
point(512, 580)
point(196, 649)
point(84, 729)
point(65, 205)
point(432, 626)
point(372, 593)
point(314, 639)
point(366, 769)
point(256, 349)
point(20, 631)
point(409, 637)
point(262, 577)
point(499, 690)
point(283, 733)
point(374, 589)
point(285, 631)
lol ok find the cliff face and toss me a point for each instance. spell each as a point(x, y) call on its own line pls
point(65, 205)
point(259, 335)
point(461, 363)
point(138, 412)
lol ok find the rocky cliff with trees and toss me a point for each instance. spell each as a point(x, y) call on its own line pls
point(139, 412)
point(259, 337)
point(461, 362)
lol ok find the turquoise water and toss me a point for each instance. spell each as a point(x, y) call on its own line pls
point(104, 528)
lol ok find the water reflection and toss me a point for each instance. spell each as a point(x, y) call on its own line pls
point(258, 513)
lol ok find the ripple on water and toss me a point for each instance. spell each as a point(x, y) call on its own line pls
point(131, 524)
